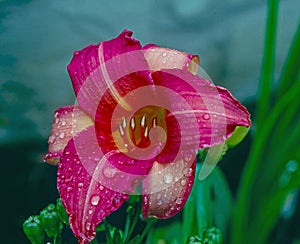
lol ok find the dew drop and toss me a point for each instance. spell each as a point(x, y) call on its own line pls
point(183, 182)
point(159, 202)
point(95, 200)
point(206, 116)
point(178, 200)
point(90, 211)
point(62, 135)
point(168, 178)
point(188, 172)
point(80, 184)
point(101, 188)
point(116, 201)
point(88, 225)
point(52, 139)
point(57, 120)
point(63, 123)
point(164, 54)
point(69, 188)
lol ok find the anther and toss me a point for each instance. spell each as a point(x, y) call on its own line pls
point(154, 122)
point(146, 131)
point(121, 130)
point(124, 122)
point(143, 120)
point(132, 123)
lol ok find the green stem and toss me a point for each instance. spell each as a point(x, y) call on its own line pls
point(149, 225)
point(268, 64)
point(109, 239)
point(57, 239)
point(131, 222)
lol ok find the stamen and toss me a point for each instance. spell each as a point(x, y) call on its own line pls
point(143, 120)
point(154, 122)
point(146, 131)
point(121, 130)
point(132, 123)
point(124, 122)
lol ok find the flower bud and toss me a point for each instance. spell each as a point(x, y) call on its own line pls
point(50, 221)
point(33, 230)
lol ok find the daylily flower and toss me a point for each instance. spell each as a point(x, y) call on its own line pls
point(141, 115)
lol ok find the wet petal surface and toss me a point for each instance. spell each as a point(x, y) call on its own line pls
point(68, 121)
point(167, 188)
point(85, 183)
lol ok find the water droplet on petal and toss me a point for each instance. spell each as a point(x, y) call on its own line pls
point(88, 225)
point(95, 200)
point(69, 188)
point(159, 202)
point(57, 120)
point(63, 123)
point(168, 178)
point(206, 116)
point(90, 211)
point(62, 135)
point(116, 201)
point(101, 188)
point(80, 184)
point(178, 200)
point(188, 172)
point(164, 54)
point(52, 139)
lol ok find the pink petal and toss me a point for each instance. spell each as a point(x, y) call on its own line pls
point(159, 58)
point(111, 116)
point(68, 121)
point(207, 114)
point(95, 69)
point(167, 188)
point(84, 62)
point(90, 187)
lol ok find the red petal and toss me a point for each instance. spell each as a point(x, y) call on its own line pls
point(159, 58)
point(84, 62)
point(167, 188)
point(95, 69)
point(111, 115)
point(68, 121)
point(207, 114)
point(90, 187)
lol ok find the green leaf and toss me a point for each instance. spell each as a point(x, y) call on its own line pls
point(238, 135)
point(222, 202)
point(291, 69)
point(61, 211)
point(268, 64)
point(50, 221)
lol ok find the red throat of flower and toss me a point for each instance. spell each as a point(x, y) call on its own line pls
point(142, 123)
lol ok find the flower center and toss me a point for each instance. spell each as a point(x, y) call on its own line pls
point(141, 123)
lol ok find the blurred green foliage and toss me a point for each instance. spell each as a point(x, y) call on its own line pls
point(272, 171)
point(264, 207)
